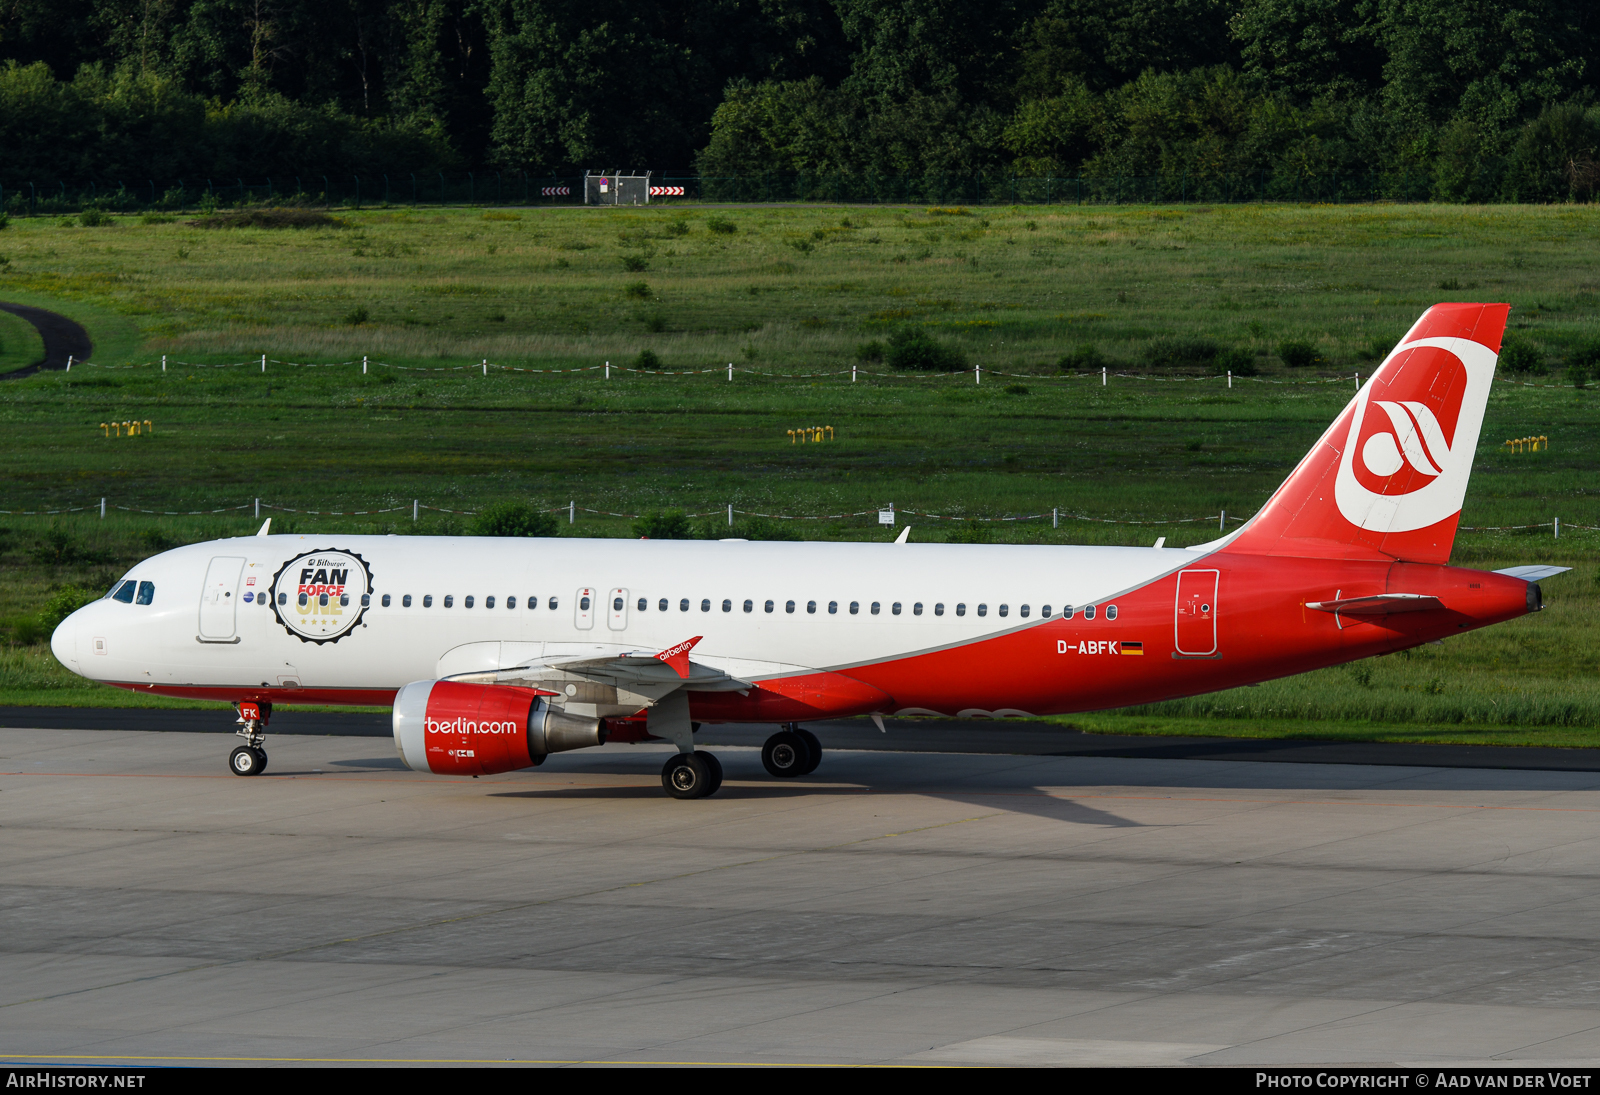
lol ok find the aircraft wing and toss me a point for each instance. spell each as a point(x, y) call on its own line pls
point(1380, 604)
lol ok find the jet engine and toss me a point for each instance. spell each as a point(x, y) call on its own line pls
point(455, 728)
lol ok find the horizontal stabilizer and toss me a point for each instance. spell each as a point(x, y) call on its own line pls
point(1533, 573)
point(1381, 604)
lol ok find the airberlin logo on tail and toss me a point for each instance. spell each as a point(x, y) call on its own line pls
point(1413, 428)
point(1414, 438)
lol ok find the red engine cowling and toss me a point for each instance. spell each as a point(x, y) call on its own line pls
point(450, 728)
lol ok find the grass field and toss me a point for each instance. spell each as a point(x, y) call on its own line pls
point(799, 291)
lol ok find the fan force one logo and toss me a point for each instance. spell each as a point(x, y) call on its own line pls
point(320, 596)
point(1413, 429)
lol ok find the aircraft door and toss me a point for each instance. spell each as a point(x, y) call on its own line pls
point(1195, 622)
point(617, 609)
point(584, 607)
point(219, 598)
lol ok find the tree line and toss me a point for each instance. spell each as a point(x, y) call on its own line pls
point(1490, 100)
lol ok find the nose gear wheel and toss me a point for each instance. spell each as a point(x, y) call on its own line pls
point(247, 760)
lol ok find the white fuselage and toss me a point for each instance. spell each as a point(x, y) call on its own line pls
point(192, 636)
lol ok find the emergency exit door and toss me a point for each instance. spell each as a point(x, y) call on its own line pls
point(1195, 623)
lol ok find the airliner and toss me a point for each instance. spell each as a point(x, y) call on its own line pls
point(495, 653)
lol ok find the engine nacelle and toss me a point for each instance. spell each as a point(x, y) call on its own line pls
point(454, 728)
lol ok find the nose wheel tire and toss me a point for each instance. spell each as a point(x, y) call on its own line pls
point(691, 775)
point(247, 761)
point(788, 754)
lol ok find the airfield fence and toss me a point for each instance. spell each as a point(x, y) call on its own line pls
point(883, 516)
point(1055, 515)
point(854, 372)
point(122, 194)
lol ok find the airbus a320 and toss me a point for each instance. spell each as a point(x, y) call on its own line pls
point(496, 653)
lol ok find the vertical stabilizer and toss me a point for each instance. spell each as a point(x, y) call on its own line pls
point(1389, 476)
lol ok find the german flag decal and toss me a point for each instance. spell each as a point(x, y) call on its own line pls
point(1131, 648)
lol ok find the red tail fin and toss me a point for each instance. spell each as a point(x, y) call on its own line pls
point(1389, 476)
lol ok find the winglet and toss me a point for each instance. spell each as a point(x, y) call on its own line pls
point(677, 656)
point(264, 526)
point(903, 534)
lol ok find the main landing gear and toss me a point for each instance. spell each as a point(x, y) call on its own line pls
point(791, 752)
point(250, 759)
point(691, 775)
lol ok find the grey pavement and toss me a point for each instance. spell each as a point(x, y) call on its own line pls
point(892, 908)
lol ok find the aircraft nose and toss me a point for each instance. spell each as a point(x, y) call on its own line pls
point(64, 642)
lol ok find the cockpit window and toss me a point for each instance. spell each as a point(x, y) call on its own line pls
point(147, 593)
point(124, 592)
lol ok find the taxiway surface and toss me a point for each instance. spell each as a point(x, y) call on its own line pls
point(893, 907)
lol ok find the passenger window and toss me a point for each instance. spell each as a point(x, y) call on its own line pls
point(683, 605)
point(511, 602)
point(895, 608)
point(788, 606)
point(875, 608)
point(855, 608)
point(450, 600)
point(147, 593)
point(405, 602)
point(1111, 612)
point(283, 598)
point(1023, 612)
point(553, 603)
point(749, 605)
point(124, 592)
point(344, 600)
point(427, 600)
point(1004, 610)
point(644, 604)
point(961, 610)
point(304, 600)
point(385, 600)
point(1044, 611)
point(1067, 612)
point(705, 605)
point(727, 605)
point(938, 609)
point(533, 602)
point(768, 606)
point(811, 607)
point(662, 605)
point(583, 604)
point(616, 604)
point(488, 602)
point(1088, 612)
point(983, 610)
point(916, 609)
point(833, 608)
point(322, 600)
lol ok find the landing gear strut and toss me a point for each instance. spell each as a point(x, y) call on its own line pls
point(250, 759)
point(791, 752)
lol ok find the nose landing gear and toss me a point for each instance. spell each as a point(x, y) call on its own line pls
point(250, 759)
